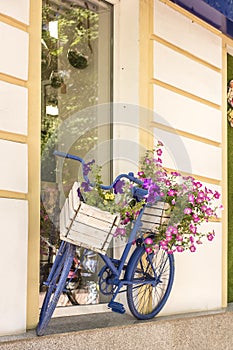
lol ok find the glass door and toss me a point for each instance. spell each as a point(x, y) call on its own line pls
point(76, 80)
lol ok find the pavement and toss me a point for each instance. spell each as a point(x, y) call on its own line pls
point(104, 331)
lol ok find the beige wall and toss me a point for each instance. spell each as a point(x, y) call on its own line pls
point(187, 78)
point(19, 149)
point(188, 99)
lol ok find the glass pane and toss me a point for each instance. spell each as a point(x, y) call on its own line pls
point(76, 77)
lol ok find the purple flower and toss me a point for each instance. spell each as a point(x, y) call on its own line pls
point(159, 152)
point(120, 231)
point(147, 183)
point(118, 187)
point(153, 193)
point(86, 186)
point(87, 167)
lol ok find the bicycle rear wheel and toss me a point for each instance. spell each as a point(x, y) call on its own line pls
point(56, 286)
point(152, 277)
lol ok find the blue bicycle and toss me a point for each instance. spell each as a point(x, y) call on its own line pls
point(147, 277)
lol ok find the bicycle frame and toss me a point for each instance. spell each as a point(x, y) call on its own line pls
point(141, 270)
point(111, 262)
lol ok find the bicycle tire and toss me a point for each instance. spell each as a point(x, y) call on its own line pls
point(54, 273)
point(146, 300)
point(55, 287)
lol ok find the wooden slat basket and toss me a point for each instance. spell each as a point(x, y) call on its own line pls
point(86, 226)
point(154, 216)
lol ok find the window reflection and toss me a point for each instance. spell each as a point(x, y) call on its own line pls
point(75, 74)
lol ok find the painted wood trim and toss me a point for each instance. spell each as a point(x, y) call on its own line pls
point(146, 14)
point(184, 93)
point(224, 178)
point(185, 53)
point(34, 117)
point(12, 80)
point(185, 134)
point(12, 194)
point(10, 136)
point(200, 178)
point(13, 22)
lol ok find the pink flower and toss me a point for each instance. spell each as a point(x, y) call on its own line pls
point(217, 195)
point(210, 236)
point(149, 250)
point(191, 239)
point(196, 218)
point(197, 184)
point(141, 173)
point(179, 248)
point(203, 208)
point(163, 245)
point(148, 240)
point(192, 248)
point(187, 211)
point(209, 211)
point(193, 229)
point(179, 237)
point(159, 152)
point(191, 198)
point(175, 173)
point(171, 192)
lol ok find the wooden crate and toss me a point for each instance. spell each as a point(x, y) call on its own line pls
point(154, 216)
point(86, 226)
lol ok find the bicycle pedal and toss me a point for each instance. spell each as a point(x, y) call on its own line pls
point(116, 307)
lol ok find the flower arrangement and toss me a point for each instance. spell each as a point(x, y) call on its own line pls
point(118, 200)
point(190, 203)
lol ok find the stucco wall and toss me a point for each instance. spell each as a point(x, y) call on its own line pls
point(187, 85)
point(14, 164)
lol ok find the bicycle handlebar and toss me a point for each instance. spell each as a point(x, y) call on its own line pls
point(130, 176)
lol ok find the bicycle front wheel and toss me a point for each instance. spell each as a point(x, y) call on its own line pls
point(55, 287)
point(151, 277)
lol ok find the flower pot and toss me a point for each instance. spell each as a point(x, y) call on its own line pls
point(77, 59)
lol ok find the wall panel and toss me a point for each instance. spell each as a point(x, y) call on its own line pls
point(16, 9)
point(187, 34)
point(14, 166)
point(187, 64)
point(14, 51)
point(189, 115)
point(13, 262)
point(190, 155)
point(13, 108)
point(184, 73)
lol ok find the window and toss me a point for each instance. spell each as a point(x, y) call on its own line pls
point(76, 78)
